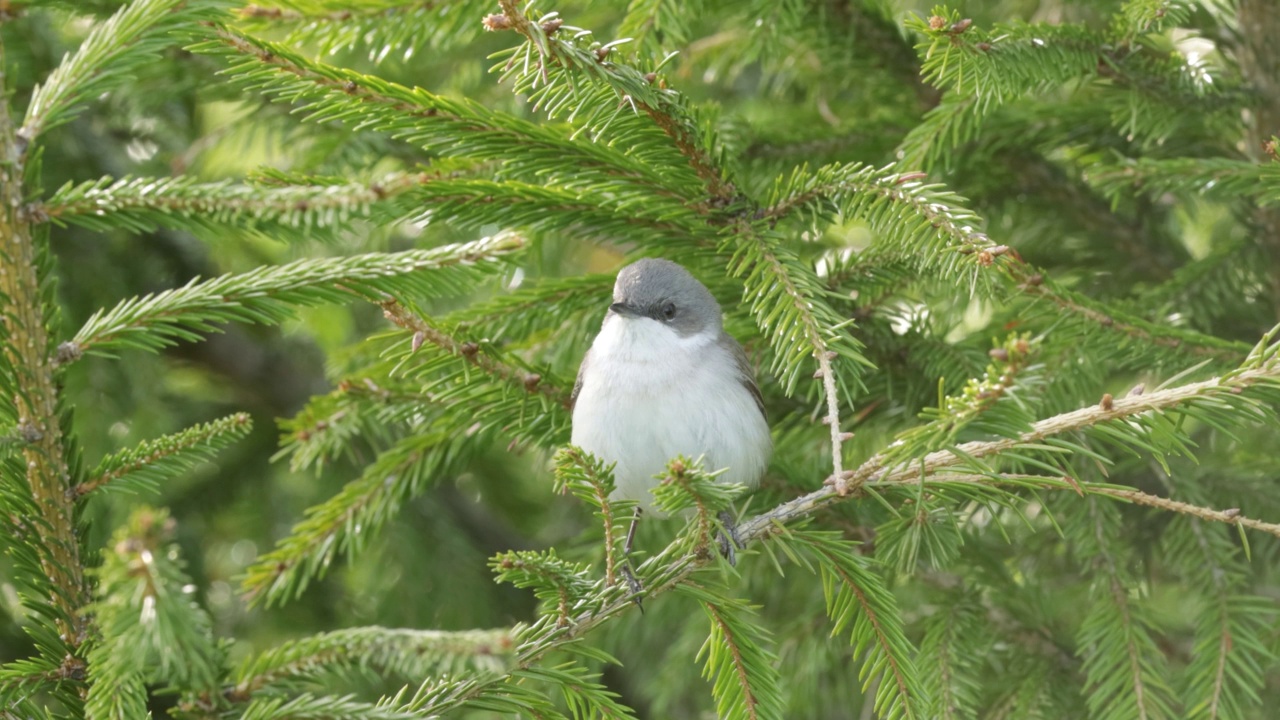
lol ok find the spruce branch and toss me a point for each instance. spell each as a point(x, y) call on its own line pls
point(740, 664)
point(322, 12)
point(423, 331)
point(319, 206)
point(1260, 67)
point(858, 600)
point(143, 204)
point(405, 653)
point(29, 399)
point(456, 128)
point(268, 294)
point(1120, 656)
point(329, 425)
point(1229, 651)
point(153, 461)
point(1260, 374)
point(107, 58)
point(1008, 60)
point(384, 27)
point(1037, 285)
point(591, 481)
point(345, 522)
point(578, 57)
point(152, 630)
point(786, 299)
point(323, 707)
point(561, 584)
point(948, 666)
point(928, 226)
point(1214, 177)
point(1230, 516)
point(674, 566)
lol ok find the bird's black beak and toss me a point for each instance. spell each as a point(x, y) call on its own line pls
point(622, 309)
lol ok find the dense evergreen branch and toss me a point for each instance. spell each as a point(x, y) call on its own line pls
point(425, 332)
point(950, 243)
point(152, 629)
point(673, 567)
point(784, 300)
point(107, 57)
point(858, 600)
point(456, 128)
point(406, 653)
point(1260, 65)
point(143, 204)
point(1121, 662)
point(269, 294)
point(150, 462)
point(634, 89)
point(30, 388)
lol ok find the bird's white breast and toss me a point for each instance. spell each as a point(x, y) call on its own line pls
point(649, 395)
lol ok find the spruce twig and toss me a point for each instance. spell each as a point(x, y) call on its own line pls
point(423, 331)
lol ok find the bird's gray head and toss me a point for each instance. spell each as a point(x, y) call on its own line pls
point(664, 291)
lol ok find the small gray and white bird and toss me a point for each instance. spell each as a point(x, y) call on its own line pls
point(663, 379)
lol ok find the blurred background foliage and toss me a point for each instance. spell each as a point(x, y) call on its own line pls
point(788, 83)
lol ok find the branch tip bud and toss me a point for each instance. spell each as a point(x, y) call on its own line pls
point(496, 21)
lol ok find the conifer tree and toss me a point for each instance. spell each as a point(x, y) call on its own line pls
point(1009, 274)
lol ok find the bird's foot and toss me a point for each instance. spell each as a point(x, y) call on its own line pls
point(728, 536)
point(628, 573)
point(633, 584)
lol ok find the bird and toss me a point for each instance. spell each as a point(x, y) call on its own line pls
point(662, 378)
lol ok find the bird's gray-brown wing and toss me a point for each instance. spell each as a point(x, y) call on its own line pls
point(746, 375)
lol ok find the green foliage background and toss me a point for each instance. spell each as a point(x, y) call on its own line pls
point(317, 277)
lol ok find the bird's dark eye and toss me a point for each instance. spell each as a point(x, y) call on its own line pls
point(669, 310)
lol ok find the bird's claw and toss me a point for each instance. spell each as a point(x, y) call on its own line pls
point(728, 537)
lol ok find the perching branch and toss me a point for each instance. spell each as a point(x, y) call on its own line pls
point(671, 568)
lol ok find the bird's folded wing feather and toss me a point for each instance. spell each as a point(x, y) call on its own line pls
point(746, 375)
